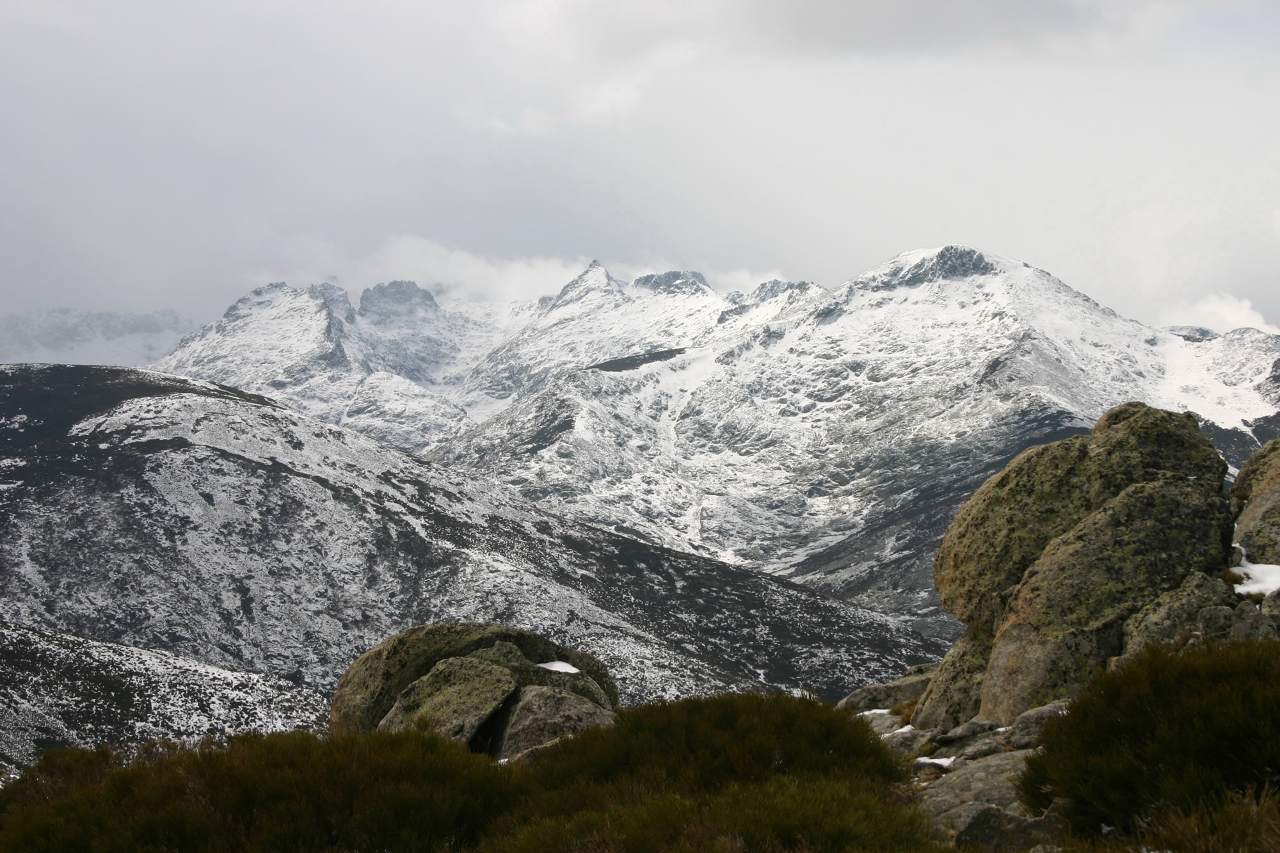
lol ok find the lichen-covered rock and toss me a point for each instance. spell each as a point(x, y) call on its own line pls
point(955, 691)
point(881, 722)
point(373, 683)
point(1174, 616)
point(1215, 622)
point(990, 781)
point(542, 715)
point(1255, 499)
point(910, 741)
point(1066, 618)
point(1074, 554)
point(991, 828)
point(1046, 491)
point(1248, 622)
point(891, 694)
point(453, 700)
point(1025, 731)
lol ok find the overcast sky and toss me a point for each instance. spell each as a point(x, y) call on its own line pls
point(156, 153)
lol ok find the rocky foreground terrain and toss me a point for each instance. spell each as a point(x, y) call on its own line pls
point(1077, 556)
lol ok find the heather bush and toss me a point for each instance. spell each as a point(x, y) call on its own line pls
point(706, 743)
point(282, 792)
point(823, 814)
point(730, 773)
point(1163, 734)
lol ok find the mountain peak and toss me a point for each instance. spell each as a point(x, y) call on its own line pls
point(394, 300)
point(595, 279)
point(675, 282)
point(1194, 334)
point(925, 265)
point(775, 287)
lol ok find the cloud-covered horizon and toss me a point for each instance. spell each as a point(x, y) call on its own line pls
point(162, 155)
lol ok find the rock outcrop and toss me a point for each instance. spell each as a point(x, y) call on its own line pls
point(499, 690)
point(1071, 552)
point(1079, 555)
point(1255, 499)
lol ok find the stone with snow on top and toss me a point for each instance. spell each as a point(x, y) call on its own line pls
point(373, 684)
point(475, 684)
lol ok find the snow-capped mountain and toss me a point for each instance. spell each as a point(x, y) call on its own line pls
point(824, 436)
point(170, 514)
point(61, 690)
point(389, 368)
point(72, 336)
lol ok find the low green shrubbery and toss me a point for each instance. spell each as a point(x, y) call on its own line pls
point(731, 773)
point(281, 792)
point(1164, 734)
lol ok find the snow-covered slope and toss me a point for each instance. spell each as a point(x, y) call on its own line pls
point(388, 368)
point(61, 690)
point(170, 514)
point(87, 337)
point(826, 436)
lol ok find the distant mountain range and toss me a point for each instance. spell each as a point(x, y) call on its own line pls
point(709, 491)
point(825, 436)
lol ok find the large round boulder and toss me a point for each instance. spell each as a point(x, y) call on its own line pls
point(1046, 491)
point(1050, 559)
point(1066, 619)
point(472, 683)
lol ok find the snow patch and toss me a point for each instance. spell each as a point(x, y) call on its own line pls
point(560, 666)
point(1259, 577)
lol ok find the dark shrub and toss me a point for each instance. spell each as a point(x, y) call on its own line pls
point(811, 814)
point(1165, 732)
point(732, 773)
point(703, 744)
point(281, 792)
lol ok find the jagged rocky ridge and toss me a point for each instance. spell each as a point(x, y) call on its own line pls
point(178, 515)
point(827, 436)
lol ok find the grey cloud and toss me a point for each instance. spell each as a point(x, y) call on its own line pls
point(161, 154)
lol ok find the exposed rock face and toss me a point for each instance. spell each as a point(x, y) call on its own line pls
point(955, 691)
point(908, 688)
point(1051, 559)
point(1065, 621)
point(543, 715)
point(1256, 501)
point(1048, 490)
point(499, 690)
point(1172, 618)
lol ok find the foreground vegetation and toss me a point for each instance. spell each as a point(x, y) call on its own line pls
point(1181, 750)
point(1177, 752)
point(732, 773)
